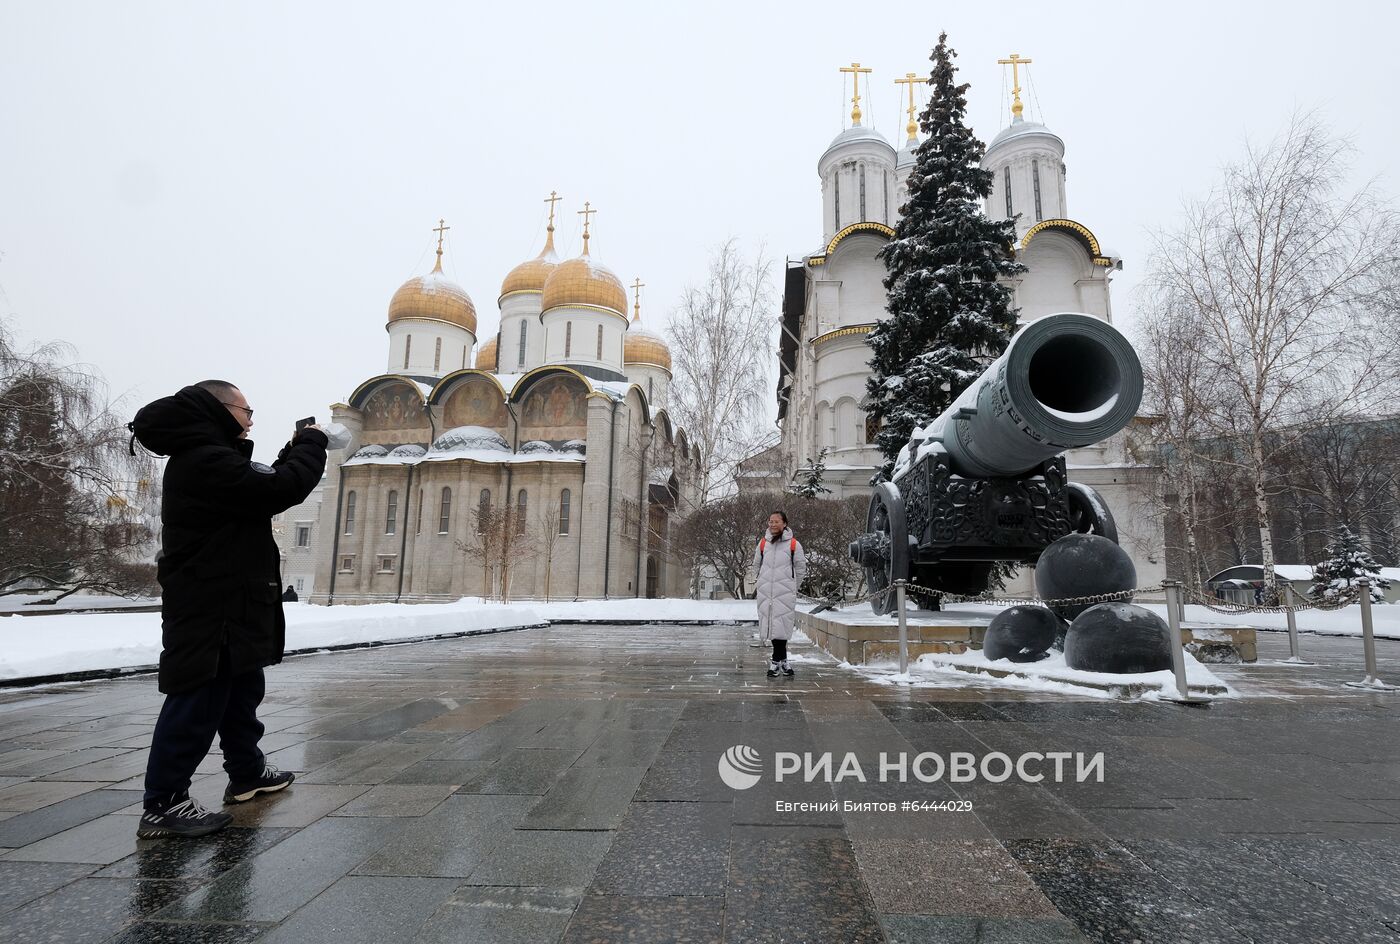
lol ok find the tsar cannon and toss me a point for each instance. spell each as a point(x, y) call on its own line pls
point(985, 481)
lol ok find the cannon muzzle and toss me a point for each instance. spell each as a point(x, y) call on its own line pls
point(1065, 381)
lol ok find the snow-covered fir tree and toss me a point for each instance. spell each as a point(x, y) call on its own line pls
point(949, 314)
point(1347, 562)
point(811, 485)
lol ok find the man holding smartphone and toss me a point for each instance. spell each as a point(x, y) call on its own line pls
point(221, 589)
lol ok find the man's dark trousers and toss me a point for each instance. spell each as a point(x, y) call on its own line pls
point(227, 705)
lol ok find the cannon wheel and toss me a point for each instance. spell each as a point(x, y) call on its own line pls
point(1088, 512)
point(886, 518)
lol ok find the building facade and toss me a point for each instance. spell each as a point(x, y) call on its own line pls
point(539, 463)
point(834, 295)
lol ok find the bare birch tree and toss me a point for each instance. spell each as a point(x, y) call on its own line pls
point(1286, 279)
point(722, 351)
point(548, 539)
point(78, 511)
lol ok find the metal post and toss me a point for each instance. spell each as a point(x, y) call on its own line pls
point(1293, 658)
point(1368, 641)
point(1183, 691)
point(903, 628)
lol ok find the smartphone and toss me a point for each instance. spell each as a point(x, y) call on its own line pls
point(302, 424)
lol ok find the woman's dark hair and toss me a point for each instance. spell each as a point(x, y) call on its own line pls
point(780, 514)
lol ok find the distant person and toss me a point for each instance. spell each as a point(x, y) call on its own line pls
point(289, 595)
point(780, 564)
point(221, 609)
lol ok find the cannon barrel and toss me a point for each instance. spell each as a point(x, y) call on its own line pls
point(1065, 381)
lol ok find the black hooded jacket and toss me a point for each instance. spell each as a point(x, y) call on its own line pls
point(221, 584)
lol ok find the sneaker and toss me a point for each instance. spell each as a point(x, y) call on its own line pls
point(772, 670)
point(271, 781)
point(787, 669)
point(183, 818)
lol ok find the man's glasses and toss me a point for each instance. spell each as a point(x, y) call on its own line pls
point(237, 407)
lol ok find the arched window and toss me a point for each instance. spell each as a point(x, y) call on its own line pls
point(564, 511)
point(836, 222)
point(483, 509)
point(885, 197)
point(391, 512)
point(418, 528)
point(520, 361)
point(464, 357)
point(445, 511)
point(437, 355)
point(568, 338)
point(1006, 182)
point(651, 391)
point(407, 346)
point(521, 510)
point(350, 513)
point(600, 342)
point(860, 169)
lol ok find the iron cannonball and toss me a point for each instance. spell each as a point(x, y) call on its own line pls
point(1118, 638)
point(1021, 634)
point(1082, 565)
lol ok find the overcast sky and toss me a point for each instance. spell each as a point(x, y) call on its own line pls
point(236, 189)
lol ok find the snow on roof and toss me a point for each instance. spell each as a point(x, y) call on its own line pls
point(617, 389)
point(462, 438)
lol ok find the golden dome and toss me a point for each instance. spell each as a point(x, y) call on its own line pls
point(486, 355)
point(582, 281)
point(433, 297)
point(643, 347)
point(530, 275)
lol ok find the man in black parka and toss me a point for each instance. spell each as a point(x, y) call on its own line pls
point(221, 590)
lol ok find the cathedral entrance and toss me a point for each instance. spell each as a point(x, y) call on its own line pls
point(651, 576)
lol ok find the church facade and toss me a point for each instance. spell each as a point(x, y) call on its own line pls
point(834, 295)
point(541, 461)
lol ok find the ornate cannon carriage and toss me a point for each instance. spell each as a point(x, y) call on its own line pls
point(985, 482)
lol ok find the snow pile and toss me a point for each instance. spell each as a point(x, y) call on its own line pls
point(32, 647)
point(1050, 674)
point(470, 439)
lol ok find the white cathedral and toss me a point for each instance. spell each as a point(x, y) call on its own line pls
point(834, 295)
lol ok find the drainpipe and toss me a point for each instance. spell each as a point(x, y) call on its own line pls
point(403, 543)
point(607, 540)
point(335, 540)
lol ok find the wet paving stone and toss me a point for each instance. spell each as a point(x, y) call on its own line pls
point(53, 819)
point(664, 849)
point(586, 798)
point(922, 929)
point(969, 877)
point(21, 882)
point(452, 840)
point(685, 776)
point(609, 919)
point(201, 861)
point(384, 909)
point(523, 771)
point(161, 932)
point(1113, 896)
point(543, 857)
point(501, 916)
point(396, 800)
point(28, 795)
point(90, 909)
point(456, 772)
point(386, 724)
point(309, 755)
point(795, 884)
point(100, 841)
point(272, 885)
point(374, 763)
point(624, 748)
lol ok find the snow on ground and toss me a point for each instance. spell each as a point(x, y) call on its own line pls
point(31, 602)
point(1048, 675)
point(34, 647)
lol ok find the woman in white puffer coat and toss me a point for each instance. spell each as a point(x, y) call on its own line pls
point(780, 564)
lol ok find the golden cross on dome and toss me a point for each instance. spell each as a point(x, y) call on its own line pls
point(441, 228)
point(552, 199)
point(1015, 62)
point(911, 80)
point(856, 71)
point(637, 287)
point(586, 212)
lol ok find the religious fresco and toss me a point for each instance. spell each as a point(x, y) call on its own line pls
point(555, 405)
point(394, 406)
point(475, 403)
